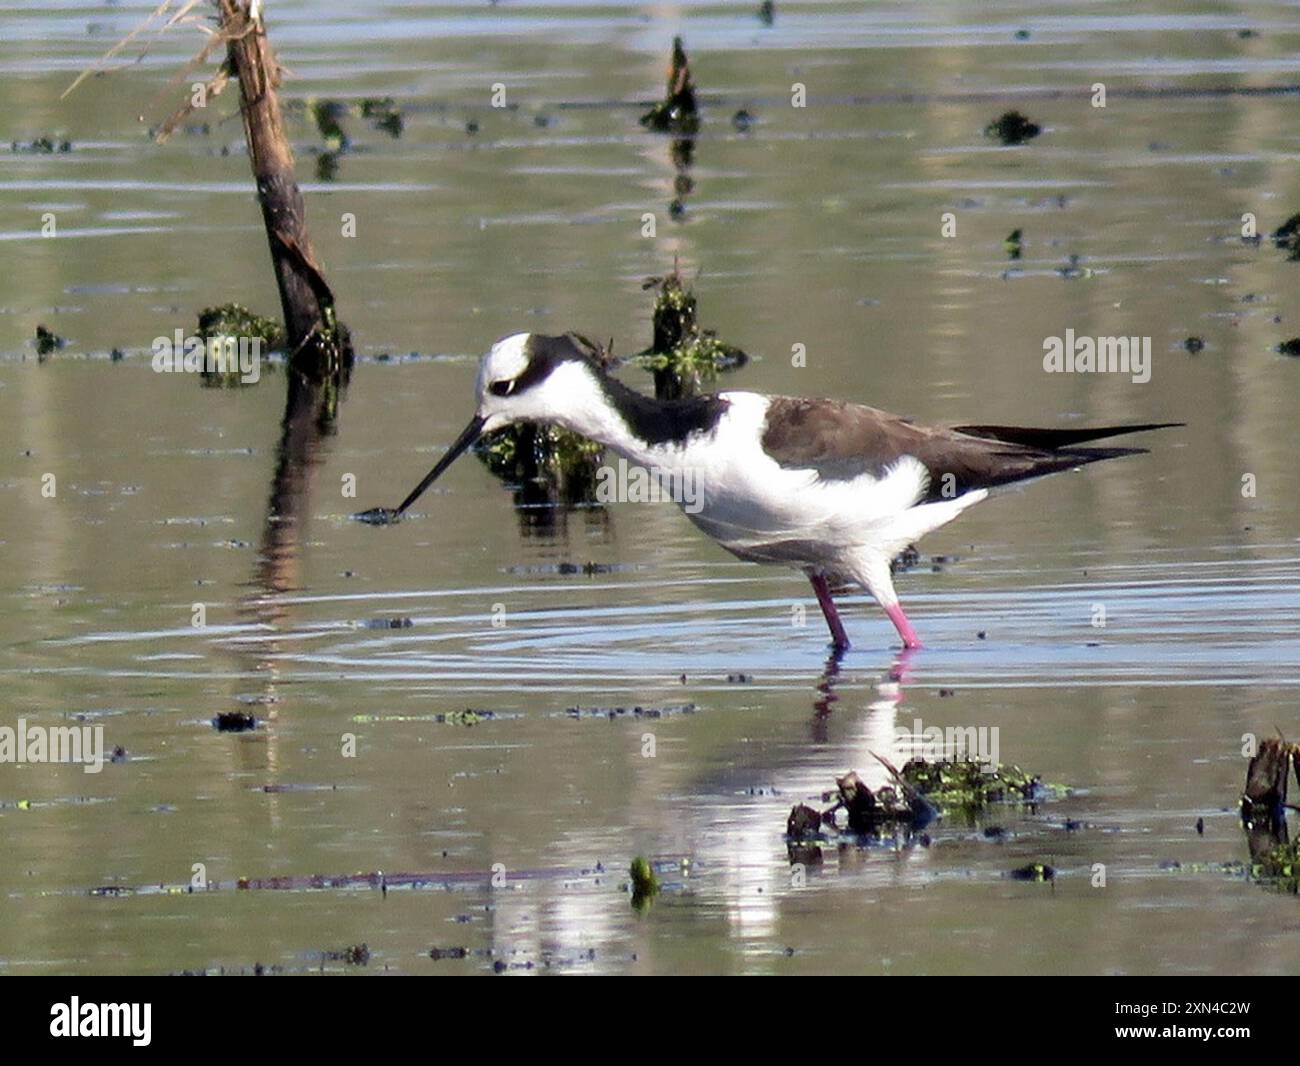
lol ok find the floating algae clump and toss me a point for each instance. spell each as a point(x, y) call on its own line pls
point(236, 320)
point(970, 785)
point(682, 356)
point(645, 885)
point(236, 324)
point(922, 791)
point(548, 463)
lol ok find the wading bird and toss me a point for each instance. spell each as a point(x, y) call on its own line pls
point(833, 489)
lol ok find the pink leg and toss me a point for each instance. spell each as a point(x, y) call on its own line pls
point(904, 627)
point(839, 638)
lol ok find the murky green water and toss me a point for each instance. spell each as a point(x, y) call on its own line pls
point(821, 226)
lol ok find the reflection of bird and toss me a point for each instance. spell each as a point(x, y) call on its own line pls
point(833, 489)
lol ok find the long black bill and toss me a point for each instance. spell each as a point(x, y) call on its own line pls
point(472, 432)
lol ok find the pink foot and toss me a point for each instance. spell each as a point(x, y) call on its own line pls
point(904, 627)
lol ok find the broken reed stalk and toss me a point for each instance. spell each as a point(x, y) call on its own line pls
point(317, 344)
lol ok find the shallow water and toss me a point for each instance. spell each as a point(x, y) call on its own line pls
point(821, 227)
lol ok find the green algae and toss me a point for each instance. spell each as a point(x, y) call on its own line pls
point(645, 885)
point(971, 786)
point(236, 320)
point(683, 357)
point(922, 791)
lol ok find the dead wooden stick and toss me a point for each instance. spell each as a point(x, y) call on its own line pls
point(315, 340)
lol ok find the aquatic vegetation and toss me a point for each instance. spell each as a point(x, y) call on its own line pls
point(236, 320)
point(385, 115)
point(234, 722)
point(530, 456)
point(1291, 347)
point(677, 112)
point(645, 885)
point(327, 115)
point(969, 785)
point(1194, 345)
point(1012, 128)
point(233, 320)
point(1014, 243)
point(682, 356)
point(922, 791)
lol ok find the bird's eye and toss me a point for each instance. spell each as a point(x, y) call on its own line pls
point(501, 388)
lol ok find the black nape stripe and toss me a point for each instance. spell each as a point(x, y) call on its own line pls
point(662, 421)
point(654, 421)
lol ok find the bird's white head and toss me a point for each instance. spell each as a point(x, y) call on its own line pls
point(529, 377)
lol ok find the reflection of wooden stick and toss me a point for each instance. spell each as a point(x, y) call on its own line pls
point(304, 297)
point(1263, 800)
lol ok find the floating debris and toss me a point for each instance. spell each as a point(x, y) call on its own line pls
point(448, 953)
point(234, 722)
point(613, 713)
point(1012, 128)
point(767, 12)
point(923, 791)
point(743, 121)
point(1072, 270)
point(1287, 237)
point(677, 113)
point(356, 955)
point(41, 146)
point(385, 114)
point(1034, 871)
point(387, 623)
point(1291, 347)
point(1194, 345)
point(48, 342)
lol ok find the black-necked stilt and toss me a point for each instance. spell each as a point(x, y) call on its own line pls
point(833, 489)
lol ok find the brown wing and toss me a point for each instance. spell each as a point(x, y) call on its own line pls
point(842, 441)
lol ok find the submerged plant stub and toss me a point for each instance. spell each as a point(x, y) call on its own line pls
point(682, 356)
point(677, 112)
point(922, 791)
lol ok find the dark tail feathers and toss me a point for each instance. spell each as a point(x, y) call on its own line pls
point(1050, 440)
